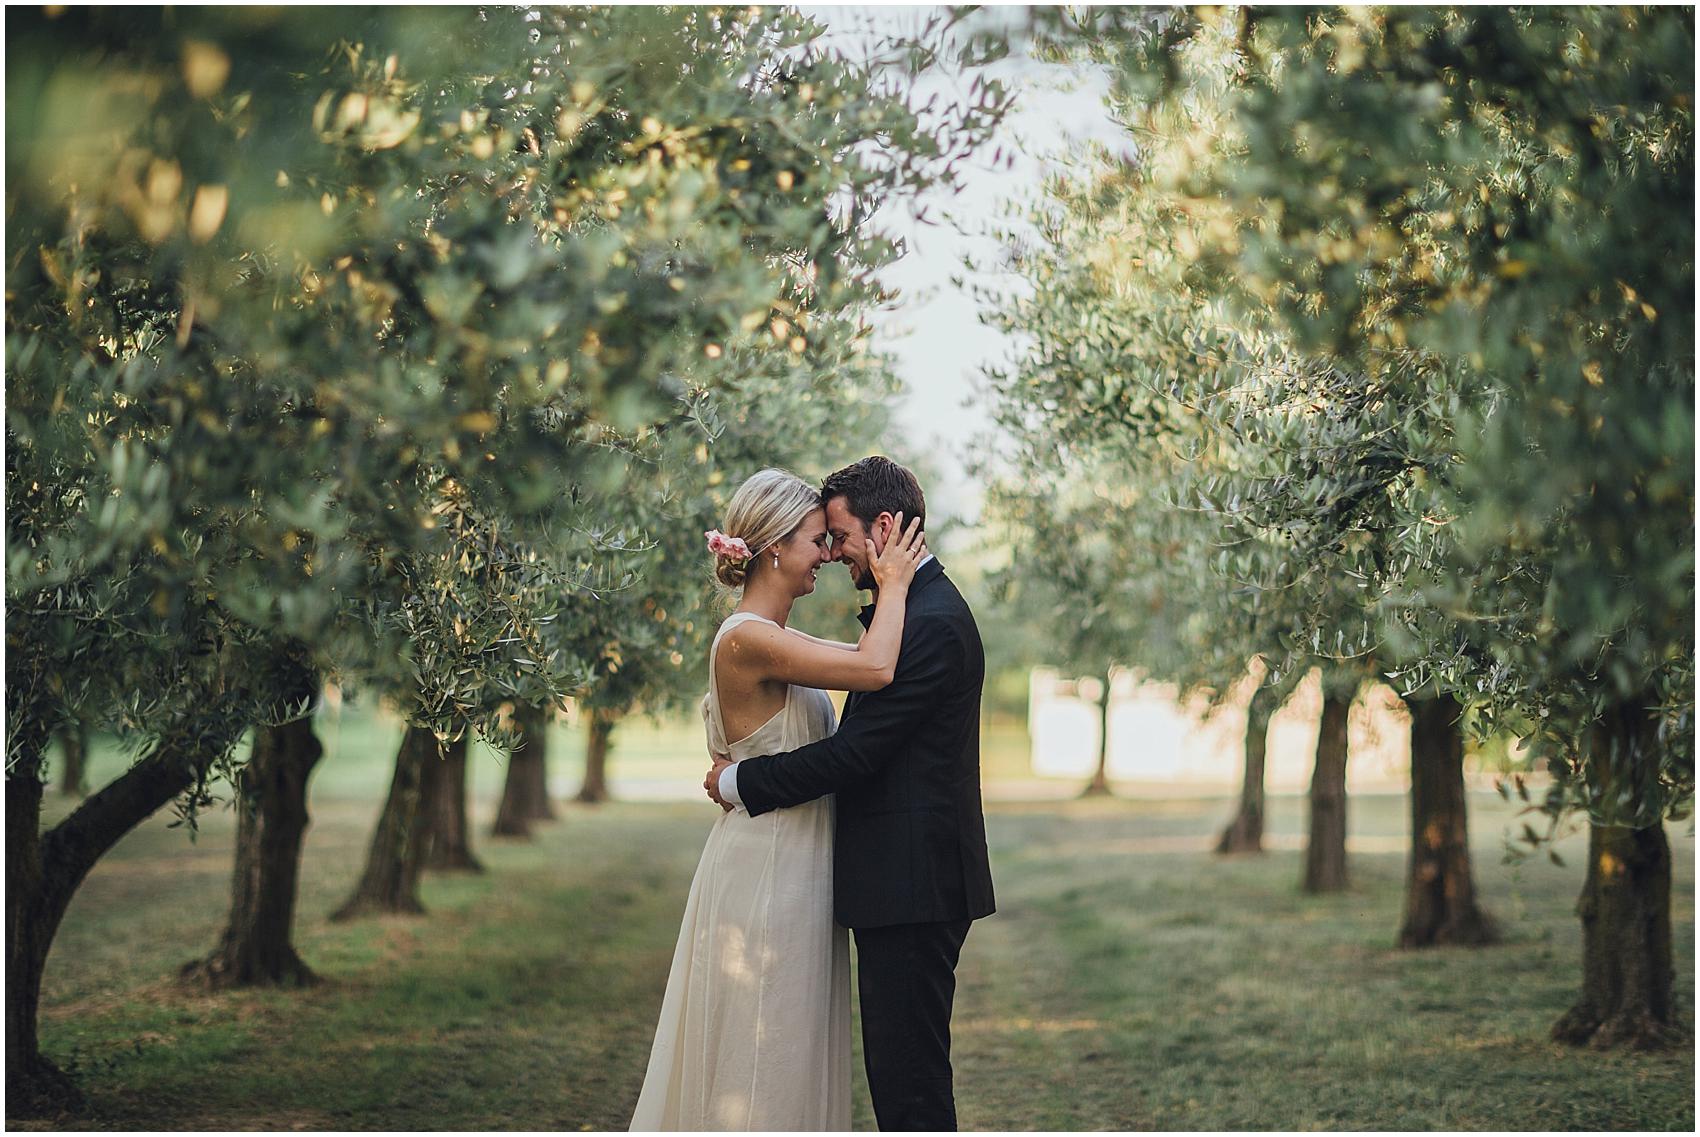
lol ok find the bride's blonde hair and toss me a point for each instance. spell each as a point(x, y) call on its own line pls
point(766, 509)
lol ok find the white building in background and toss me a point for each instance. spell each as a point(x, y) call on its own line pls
point(1160, 744)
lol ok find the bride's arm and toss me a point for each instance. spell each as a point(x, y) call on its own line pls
point(765, 652)
point(824, 643)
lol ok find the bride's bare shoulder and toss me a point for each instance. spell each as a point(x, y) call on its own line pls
point(745, 637)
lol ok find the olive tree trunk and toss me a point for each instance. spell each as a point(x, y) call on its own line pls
point(536, 798)
point(1099, 786)
point(1244, 834)
point(525, 791)
point(1325, 852)
point(35, 901)
point(257, 948)
point(1440, 892)
point(43, 872)
point(595, 787)
point(74, 777)
point(448, 844)
point(1627, 971)
point(390, 880)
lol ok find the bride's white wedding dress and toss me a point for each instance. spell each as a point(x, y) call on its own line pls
point(755, 1026)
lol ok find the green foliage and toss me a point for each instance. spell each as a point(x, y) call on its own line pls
point(1472, 236)
point(1141, 411)
point(1374, 331)
point(418, 338)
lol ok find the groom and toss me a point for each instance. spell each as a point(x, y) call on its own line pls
point(909, 857)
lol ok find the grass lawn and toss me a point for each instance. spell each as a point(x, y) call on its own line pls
point(1130, 980)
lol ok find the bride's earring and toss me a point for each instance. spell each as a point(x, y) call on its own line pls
point(776, 558)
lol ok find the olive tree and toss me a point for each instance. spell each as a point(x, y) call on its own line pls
point(1470, 190)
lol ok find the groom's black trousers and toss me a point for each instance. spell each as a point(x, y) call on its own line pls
point(906, 979)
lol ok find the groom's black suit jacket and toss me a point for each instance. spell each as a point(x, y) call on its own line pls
point(910, 845)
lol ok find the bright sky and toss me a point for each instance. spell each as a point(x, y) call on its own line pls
point(935, 331)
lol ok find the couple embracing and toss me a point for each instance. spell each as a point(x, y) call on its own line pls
point(872, 824)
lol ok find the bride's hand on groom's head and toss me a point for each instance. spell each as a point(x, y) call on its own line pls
point(904, 550)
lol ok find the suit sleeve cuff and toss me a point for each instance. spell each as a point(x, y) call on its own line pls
point(729, 785)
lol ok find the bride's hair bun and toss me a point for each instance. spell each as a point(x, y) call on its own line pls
point(765, 510)
point(730, 573)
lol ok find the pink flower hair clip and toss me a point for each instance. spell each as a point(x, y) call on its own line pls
point(727, 548)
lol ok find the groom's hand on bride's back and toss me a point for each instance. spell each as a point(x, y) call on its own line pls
point(711, 784)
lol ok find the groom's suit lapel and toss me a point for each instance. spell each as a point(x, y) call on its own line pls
point(924, 576)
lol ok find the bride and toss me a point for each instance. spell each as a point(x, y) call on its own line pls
point(755, 1025)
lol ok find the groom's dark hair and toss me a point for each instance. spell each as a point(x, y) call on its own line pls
point(877, 485)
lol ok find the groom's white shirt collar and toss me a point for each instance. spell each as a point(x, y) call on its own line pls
point(729, 776)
